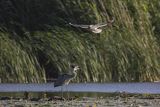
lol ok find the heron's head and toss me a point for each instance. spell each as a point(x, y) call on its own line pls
point(75, 67)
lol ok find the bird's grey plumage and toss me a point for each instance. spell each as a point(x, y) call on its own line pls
point(63, 79)
point(95, 28)
point(66, 78)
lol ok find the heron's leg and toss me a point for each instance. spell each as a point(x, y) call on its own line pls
point(67, 92)
point(62, 91)
point(63, 99)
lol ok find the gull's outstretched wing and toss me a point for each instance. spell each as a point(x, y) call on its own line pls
point(100, 25)
point(105, 24)
point(81, 26)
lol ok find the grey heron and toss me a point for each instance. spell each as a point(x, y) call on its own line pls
point(64, 79)
point(95, 28)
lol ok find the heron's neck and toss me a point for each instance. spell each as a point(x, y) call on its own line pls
point(72, 71)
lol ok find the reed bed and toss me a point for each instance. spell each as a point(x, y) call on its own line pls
point(36, 42)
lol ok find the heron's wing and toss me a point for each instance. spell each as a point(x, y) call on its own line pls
point(81, 26)
point(61, 79)
point(64, 77)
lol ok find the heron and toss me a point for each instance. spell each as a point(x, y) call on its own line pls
point(64, 79)
point(95, 28)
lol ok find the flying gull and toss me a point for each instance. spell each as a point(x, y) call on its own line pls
point(96, 28)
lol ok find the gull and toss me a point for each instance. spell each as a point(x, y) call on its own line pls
point(95, 28)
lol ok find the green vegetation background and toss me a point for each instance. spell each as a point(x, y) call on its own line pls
point(36, 42)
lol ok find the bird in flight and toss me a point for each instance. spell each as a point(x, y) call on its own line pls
point(95, 28)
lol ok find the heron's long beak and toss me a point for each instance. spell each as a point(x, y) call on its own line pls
point(78, 68)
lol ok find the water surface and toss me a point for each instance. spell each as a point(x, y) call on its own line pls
point(147, 87)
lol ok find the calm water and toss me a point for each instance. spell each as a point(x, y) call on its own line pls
point(152, 88)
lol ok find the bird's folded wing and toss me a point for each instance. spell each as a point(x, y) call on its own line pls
point(81, 26)
point(64, 77)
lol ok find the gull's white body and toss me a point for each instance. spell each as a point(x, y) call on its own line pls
point(93, 28)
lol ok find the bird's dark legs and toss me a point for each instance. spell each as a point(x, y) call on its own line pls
point(67, 92)
point(62, 91)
